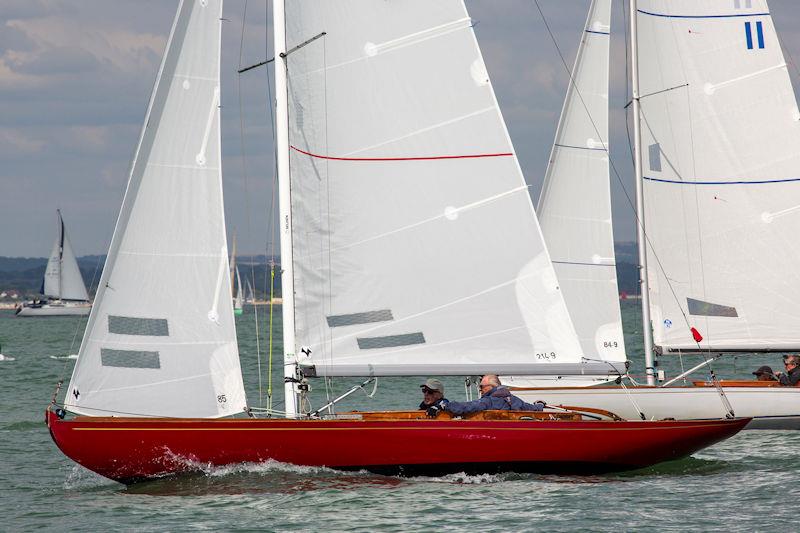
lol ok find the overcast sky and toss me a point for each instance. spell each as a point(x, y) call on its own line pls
point(76, 76)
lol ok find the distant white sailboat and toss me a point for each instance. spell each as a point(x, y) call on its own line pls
point(238, 299)
point(62, 286)
point(249, 294)
point(236, 281)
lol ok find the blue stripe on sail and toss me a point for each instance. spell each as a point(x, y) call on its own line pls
point(584, 264)
point(701, 16)
point(748, 33)
point(760, 34)
point(579, 147)
point(760, 182)
point(598, 32)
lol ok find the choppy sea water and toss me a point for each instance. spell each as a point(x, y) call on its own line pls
point(747, 483)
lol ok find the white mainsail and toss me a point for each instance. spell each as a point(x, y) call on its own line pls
point(62, 277)
point(575, 205)
point(161, 339)
point(416, 248)
point(721, 159)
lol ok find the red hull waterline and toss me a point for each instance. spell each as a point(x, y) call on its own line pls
point(135, 449)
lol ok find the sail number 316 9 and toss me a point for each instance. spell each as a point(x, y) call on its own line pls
point(546, 356)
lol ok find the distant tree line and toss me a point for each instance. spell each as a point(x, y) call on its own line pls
point(24, 274)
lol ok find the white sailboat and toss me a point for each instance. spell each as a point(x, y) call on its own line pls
point(249, 294)
point(236, 279)
point(238, 299)
point(62, 286)
point(157, 387)
point(719, 201)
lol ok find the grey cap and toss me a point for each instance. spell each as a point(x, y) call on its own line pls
point(433, 384)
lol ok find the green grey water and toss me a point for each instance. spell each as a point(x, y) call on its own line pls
point(745, 483)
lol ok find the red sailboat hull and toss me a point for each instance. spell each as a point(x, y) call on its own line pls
point(133, 449)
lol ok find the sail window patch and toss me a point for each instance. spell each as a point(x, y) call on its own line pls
point(655, 157)
point(701, 308)
point(390, 341)
point(129, 325)
point(129, 358)
point(336, 321)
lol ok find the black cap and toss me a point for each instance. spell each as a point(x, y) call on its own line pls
point(763, 370)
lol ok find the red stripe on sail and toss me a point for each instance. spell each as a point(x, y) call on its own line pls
point(421, 158)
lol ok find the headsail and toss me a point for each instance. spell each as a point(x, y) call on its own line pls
point(161, 339)
point(575, 204)
point(721, 132)
point(416, 247)
point(62, 277)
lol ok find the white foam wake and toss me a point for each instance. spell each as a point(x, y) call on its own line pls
point(464, 478)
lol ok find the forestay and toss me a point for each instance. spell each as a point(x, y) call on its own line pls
point(62, 277)
point(721, 131)
point(161, 339)
point(575, 205)
point(416, 247)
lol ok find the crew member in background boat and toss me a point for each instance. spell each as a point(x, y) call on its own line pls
point(433, 399)
point(493, 396)
point(765, 373)
point(792, 376)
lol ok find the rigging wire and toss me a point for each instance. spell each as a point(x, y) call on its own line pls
point(643, 116)
point(245, 176)
point(272, 215)
point(81, 323)
point(627, 77)
point(617, 175)
point(328, 384)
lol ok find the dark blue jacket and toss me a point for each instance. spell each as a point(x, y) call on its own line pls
point(497, 398)
point(424, 406)
point(790, 379)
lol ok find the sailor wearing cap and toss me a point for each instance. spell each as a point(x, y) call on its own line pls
point(765, 373)
point(433, 399)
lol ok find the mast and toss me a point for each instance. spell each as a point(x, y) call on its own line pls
point(641, 238)
point(285, 208)
point(60, 254)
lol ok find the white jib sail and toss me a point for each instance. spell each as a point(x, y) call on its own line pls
point(720, 137)
point(575, 205)
point(161, 339)
point(62, 277)
point(416, 247)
